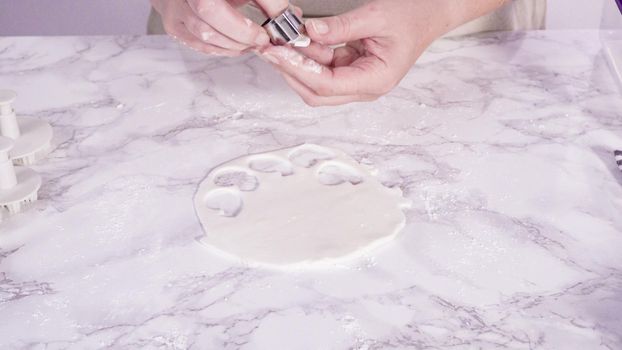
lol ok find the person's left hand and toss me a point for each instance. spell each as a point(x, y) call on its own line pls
point(383, 40)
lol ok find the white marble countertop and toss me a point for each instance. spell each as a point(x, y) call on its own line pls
point(503, 141)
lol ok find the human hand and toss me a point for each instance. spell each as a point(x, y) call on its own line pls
point(383, 40)
point(215, 26)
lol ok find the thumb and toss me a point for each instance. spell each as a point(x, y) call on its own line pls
point(363, 22)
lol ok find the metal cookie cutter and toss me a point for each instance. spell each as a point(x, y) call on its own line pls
point(287, 28)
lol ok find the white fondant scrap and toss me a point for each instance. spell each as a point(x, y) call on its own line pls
point(302, 205)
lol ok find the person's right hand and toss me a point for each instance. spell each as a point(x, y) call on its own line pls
point(215, 26)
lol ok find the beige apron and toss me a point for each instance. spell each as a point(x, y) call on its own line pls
point(515, 15)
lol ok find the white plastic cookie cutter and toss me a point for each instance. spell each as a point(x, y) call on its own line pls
point(31, 136)
point(287, 28)
point(18, 185)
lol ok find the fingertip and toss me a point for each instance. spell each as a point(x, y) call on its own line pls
point(297, 10)
point(272, 8)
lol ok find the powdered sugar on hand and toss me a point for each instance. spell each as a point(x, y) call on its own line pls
point(297, 60)
point(205, 36)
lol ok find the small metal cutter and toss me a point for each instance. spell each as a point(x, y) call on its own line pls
point(287, 28)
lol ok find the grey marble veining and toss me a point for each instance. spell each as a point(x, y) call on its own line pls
point(503, 142)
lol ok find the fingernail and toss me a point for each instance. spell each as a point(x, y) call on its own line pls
point(319, 26)
point(270, 58)
point(262, 39)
